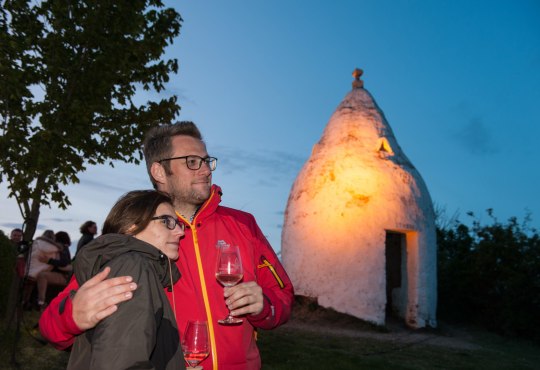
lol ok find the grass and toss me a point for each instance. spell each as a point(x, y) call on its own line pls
point(286, 348)
point(322, 347)
point(30, 352)
point(332, 341)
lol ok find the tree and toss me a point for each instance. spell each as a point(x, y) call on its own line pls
point(72, 72)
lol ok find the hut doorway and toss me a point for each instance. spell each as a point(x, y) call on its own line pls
point(395, 245)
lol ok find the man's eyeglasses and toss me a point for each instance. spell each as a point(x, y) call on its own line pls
point(194, 162)
point(169, 221)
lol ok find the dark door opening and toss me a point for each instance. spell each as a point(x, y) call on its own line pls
point(393, 251)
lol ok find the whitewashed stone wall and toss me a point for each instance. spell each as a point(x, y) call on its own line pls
point(357, 185)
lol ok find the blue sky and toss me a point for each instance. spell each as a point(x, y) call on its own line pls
point(458, 81)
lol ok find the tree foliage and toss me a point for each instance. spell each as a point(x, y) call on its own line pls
point(490, 275)
point(72, 74)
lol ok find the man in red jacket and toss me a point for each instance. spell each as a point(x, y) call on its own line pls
point(178, 164)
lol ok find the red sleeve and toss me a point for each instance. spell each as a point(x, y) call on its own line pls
point(277, 287)
point(56, 322)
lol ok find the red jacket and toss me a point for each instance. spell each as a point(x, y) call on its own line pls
point(199, 296)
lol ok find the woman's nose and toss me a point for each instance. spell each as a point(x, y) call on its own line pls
point(178, 230)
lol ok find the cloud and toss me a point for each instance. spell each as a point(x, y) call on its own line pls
point(103, 186)
point(57, 219)
point(476, 138)
point(276, 164)
point(183, 97)
point(11, 225)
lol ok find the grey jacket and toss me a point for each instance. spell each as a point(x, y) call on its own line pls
point(143, 333)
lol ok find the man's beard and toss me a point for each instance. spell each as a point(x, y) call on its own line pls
point(191, 196)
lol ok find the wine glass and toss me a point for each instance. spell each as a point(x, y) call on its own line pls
point(229, 272)
point(195, 343)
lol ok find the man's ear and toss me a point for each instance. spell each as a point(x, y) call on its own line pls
point(158, 173)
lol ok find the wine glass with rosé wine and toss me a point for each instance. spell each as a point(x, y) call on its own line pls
point(195, 343)
point(229, 272)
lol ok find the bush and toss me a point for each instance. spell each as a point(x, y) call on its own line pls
point(490, 275)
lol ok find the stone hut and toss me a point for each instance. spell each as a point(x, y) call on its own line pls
point(359, 229)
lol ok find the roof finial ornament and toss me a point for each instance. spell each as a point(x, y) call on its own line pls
point(357, 83)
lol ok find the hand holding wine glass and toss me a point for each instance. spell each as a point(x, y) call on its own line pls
point(195, 343)
point(229, 272)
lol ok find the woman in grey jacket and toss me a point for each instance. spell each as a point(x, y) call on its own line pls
point(140, 237)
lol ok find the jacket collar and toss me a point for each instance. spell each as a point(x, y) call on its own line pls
point(209, 206)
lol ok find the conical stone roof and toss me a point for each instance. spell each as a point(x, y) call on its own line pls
point(357, 185)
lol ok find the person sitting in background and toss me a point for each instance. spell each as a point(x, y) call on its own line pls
point(16, 236)
point(59, 268)
point(43, 248)
point(140, 237)
point(88, 230)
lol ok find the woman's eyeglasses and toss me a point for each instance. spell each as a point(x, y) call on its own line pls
point(170, 222)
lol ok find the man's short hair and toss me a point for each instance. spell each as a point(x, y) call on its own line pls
point(17, 230)
point(157, 143)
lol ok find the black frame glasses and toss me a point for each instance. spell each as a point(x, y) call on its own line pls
point(194, 162)
point(170, 222)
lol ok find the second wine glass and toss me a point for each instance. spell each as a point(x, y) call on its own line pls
point(229, 272)
point(195, 343)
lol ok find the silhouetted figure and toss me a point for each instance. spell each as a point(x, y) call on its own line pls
point(88, 230)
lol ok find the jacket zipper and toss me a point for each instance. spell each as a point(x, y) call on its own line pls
point(203, 284)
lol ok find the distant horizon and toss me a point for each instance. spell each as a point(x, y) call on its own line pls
point(50, 216)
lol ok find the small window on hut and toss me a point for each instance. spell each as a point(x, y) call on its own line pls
point(383, 148)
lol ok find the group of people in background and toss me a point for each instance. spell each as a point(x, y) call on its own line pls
point(47, 261)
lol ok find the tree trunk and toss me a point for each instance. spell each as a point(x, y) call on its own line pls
point(31, 222)
point(13, 307)
point(14, 303)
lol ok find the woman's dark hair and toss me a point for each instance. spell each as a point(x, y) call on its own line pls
point(49, 234)
point(135, 208)
point(63, 238)
point(84, 227)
